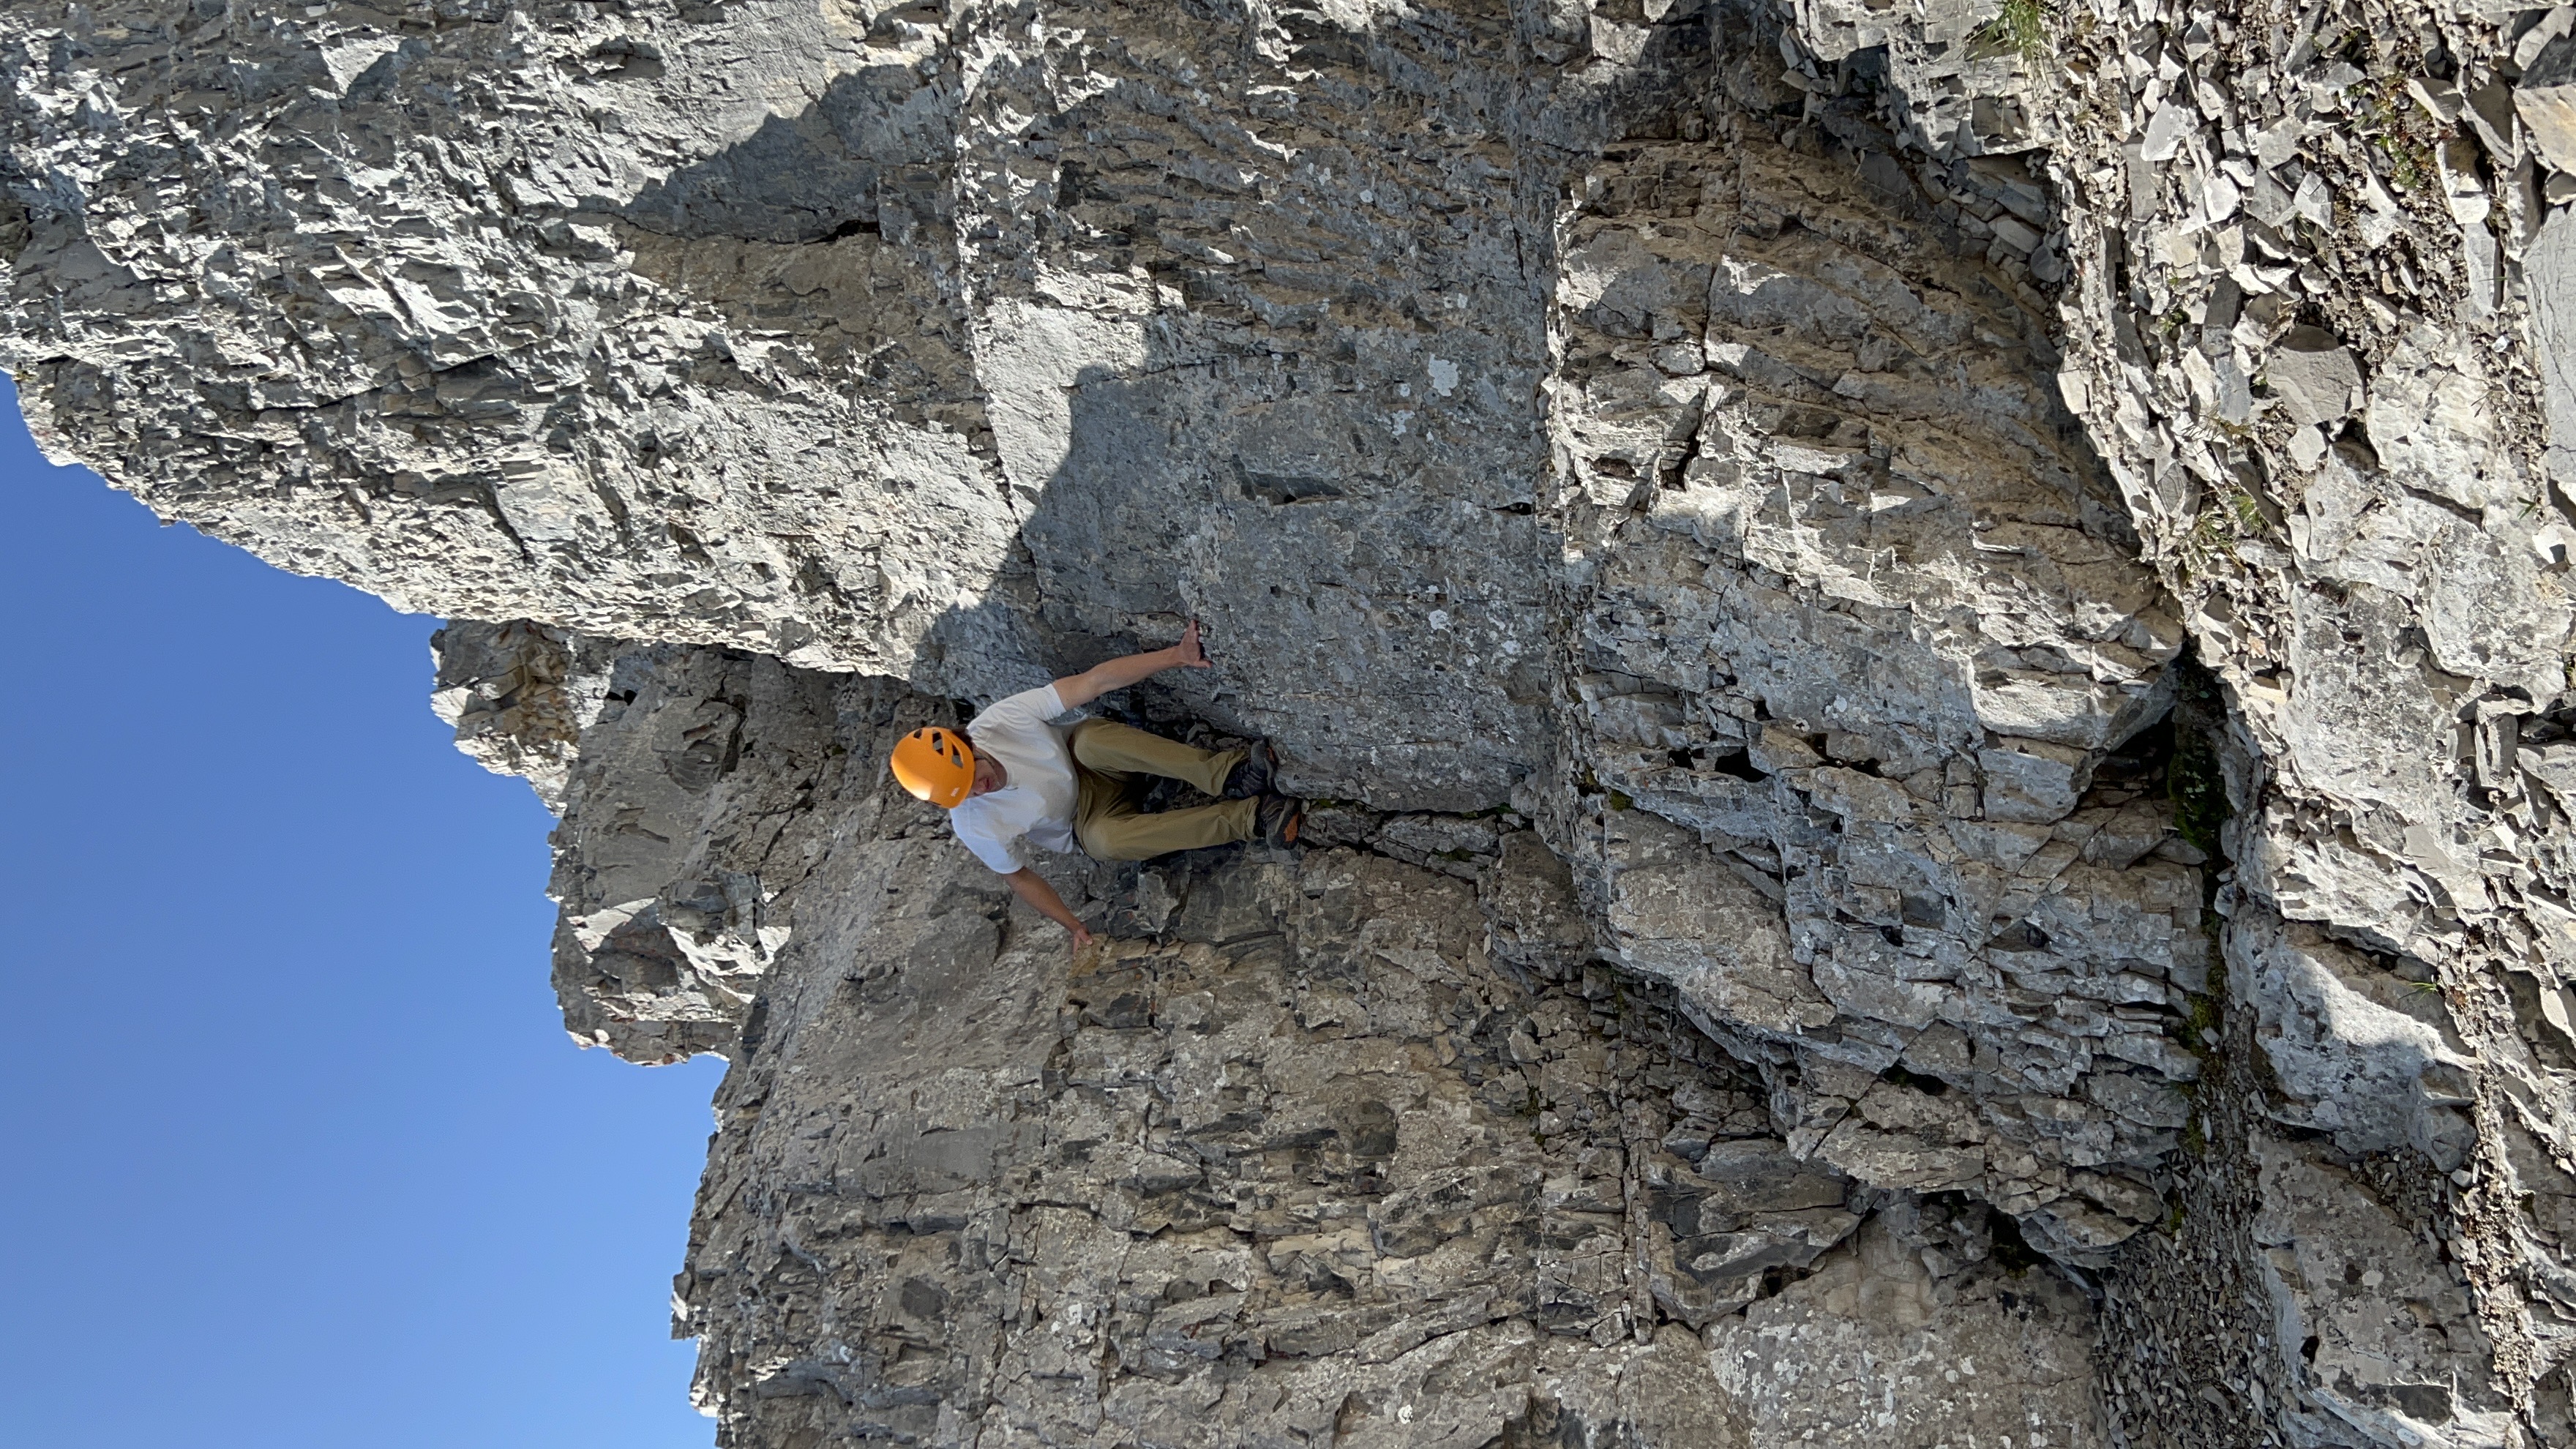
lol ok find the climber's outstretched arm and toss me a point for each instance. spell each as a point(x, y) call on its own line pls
point(1033, 888)
point(1077, 690)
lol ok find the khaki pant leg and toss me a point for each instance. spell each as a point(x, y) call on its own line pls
point(1119, 831)
point(1099, 798)
point(1116, 749)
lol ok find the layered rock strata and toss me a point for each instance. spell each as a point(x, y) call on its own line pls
point(1717, 497)
point(2316, 277)
point(1861, 648)
point(1357, 1143)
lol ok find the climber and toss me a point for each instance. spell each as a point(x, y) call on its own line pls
point(1010, 780)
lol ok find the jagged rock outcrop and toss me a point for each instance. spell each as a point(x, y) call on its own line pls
point(518, 696)
point(1937, 639)
point(1326, 1144)
point(1861, 643)
point(2314, 320)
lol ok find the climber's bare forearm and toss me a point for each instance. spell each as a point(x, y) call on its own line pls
point(1077, 690)
point(1033, 888)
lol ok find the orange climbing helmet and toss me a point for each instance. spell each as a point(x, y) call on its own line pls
point(936, 765)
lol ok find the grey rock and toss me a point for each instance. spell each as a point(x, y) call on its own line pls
point(689, 823)
point(2556, 22)
point(1301, 1160)
point(2359, 1053)
point(2314, 375)
point(2389, 1320)
point(2166, 129)
point(1716, 498)
point(518, 696)
point(2545, 99)
point(1875, 1309)
point(2440, 98)
point(2549, 268)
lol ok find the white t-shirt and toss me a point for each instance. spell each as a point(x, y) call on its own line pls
point(1036, 807)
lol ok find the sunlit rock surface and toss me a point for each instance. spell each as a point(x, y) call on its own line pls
point(1931, 643)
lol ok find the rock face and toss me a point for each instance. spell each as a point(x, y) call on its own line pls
point(1858, 664)
point(1327, 1145)
point(1932, 644)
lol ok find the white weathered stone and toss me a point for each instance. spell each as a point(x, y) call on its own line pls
point(2545, 98)
point(2314, 375)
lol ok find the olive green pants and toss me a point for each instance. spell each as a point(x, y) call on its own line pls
point(1114, 765)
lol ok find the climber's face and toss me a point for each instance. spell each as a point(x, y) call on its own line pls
point(989, 776)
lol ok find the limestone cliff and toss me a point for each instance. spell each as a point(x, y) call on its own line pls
point(1934, 639)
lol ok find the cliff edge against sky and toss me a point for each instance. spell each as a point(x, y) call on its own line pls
point(1932, 642)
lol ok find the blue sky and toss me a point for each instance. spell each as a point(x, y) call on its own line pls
point(296, 1151)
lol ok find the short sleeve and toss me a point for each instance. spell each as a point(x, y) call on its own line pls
point(1029, 709)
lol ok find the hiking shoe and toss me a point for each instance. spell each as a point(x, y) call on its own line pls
point(1252, 777)
point(1278, 819)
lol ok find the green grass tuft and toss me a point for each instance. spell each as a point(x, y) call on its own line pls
point(2231, 516)
point(2021, 29)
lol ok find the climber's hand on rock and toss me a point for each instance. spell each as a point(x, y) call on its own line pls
point(1076, 690)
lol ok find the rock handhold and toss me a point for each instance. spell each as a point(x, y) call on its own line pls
point(2314, 376)
point(2166, 130)
point(2546, 99)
